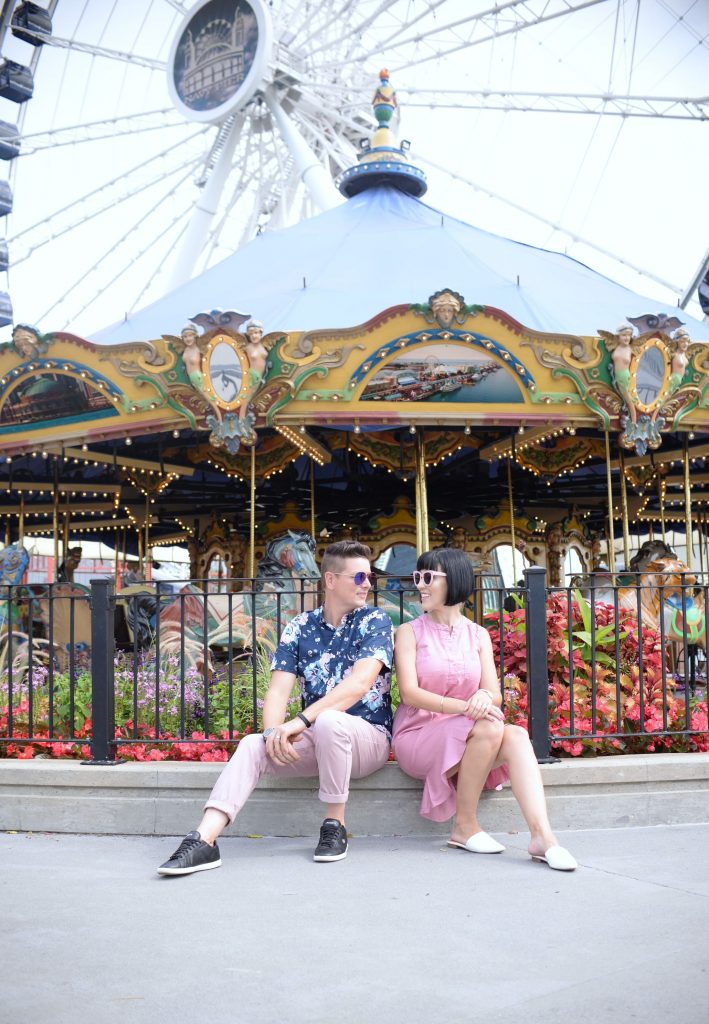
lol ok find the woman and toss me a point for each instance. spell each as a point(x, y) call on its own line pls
point(449, 729)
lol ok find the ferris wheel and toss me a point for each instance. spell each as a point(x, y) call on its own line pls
point(157, 136)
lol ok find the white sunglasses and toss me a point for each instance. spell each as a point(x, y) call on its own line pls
point(426, 577)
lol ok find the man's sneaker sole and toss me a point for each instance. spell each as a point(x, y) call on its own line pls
point(325, 858)
point(190, 871)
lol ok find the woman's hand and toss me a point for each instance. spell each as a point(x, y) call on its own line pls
point(480, 706)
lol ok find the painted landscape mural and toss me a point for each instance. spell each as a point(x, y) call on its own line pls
point(443, 373)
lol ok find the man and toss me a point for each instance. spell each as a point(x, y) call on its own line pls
point(65, 573)
point(341, 655)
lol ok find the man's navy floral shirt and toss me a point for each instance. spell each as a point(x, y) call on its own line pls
point(321, 655)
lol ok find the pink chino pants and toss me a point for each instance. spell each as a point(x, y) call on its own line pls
point(336, 748)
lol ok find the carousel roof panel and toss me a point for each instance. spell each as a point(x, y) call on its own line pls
point(382, 248)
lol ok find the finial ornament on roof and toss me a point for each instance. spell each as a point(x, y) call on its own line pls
point(383, 162)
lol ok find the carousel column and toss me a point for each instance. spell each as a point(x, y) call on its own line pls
point(512, 518)
point(65, 533)
point(661, 503)
point(312, 498)
point(21, 524)
point(55, 527)
point(146, 545)
point(624, 508)
point(611, 530)
point(421, 495)
point(252, 512)
point(688, 506)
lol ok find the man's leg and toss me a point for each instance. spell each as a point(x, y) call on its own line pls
point(345, 747)
point(198, 850)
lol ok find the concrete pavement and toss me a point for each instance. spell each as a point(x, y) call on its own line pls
point(404, 930)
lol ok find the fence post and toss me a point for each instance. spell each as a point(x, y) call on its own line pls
point(537, 668)
point(103, 646)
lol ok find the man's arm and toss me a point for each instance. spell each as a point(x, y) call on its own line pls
point(277, 696)
point(350, 690)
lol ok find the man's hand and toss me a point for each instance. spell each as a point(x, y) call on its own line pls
point(280, 744)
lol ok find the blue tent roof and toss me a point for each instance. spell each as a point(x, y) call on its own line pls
point(382, 248)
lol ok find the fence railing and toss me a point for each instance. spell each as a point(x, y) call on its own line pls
point(579, 664)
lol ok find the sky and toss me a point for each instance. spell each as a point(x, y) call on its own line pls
point(106, 180)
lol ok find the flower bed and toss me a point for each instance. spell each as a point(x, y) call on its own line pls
point(617, 709)
point(135, 715)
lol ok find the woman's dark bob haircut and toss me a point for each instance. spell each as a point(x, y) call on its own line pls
point(458, 569)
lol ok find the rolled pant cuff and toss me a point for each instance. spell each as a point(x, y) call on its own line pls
point(215, 805)
point(333, 798)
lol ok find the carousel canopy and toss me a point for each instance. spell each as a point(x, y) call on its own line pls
point(382, 248)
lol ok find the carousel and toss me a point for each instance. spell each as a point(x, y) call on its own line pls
point(380, 371)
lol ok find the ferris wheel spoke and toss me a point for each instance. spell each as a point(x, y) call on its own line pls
point(159, 264)
point(236, 194)
point(103, 187)
point(356, 30)
point(314, 27)
point(99, 51)
point(599, 104)
point(141, 252)
point(140, 222)
point(497, 33)
point(573, 236)
point(160, 179)
point(131, 124)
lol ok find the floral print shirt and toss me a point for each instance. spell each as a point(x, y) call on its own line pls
point(321, 656)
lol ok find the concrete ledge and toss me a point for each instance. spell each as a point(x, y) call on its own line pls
point(167, 799)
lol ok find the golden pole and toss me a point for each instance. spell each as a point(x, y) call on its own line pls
point(22, 520)
point(252, 515)
point(700, 531)
point(512, 522)
point(116, 544)
point(611, 531)
point(422, 542)
point(55, 528)
point(688, 506)
point(661, 502)
point(146, 546)
point(312, 498)
point(624, 507)
point(65, 532)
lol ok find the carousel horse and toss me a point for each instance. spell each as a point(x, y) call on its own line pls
point(236, 621)
point(667, 593)
point(14, 560)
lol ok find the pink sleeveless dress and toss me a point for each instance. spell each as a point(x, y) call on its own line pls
point(428, 745)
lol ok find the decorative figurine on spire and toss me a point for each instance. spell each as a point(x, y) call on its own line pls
point(384, 103)
point(383, 162)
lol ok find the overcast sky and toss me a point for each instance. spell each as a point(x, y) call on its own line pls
point(635, 187)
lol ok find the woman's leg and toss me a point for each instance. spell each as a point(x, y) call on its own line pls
point(526, 780)
point(481, 752)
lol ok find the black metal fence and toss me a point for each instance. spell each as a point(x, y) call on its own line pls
point(584, 666)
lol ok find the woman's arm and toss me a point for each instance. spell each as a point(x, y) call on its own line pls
point(412, 693)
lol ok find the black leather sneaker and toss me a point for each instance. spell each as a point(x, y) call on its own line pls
point(333, 842)
point(193, 854)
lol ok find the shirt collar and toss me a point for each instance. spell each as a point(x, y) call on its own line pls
point(320, 612)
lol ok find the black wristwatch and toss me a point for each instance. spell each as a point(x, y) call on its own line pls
point(267, 732)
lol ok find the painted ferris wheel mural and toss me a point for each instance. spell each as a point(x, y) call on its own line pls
point(145, 143)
